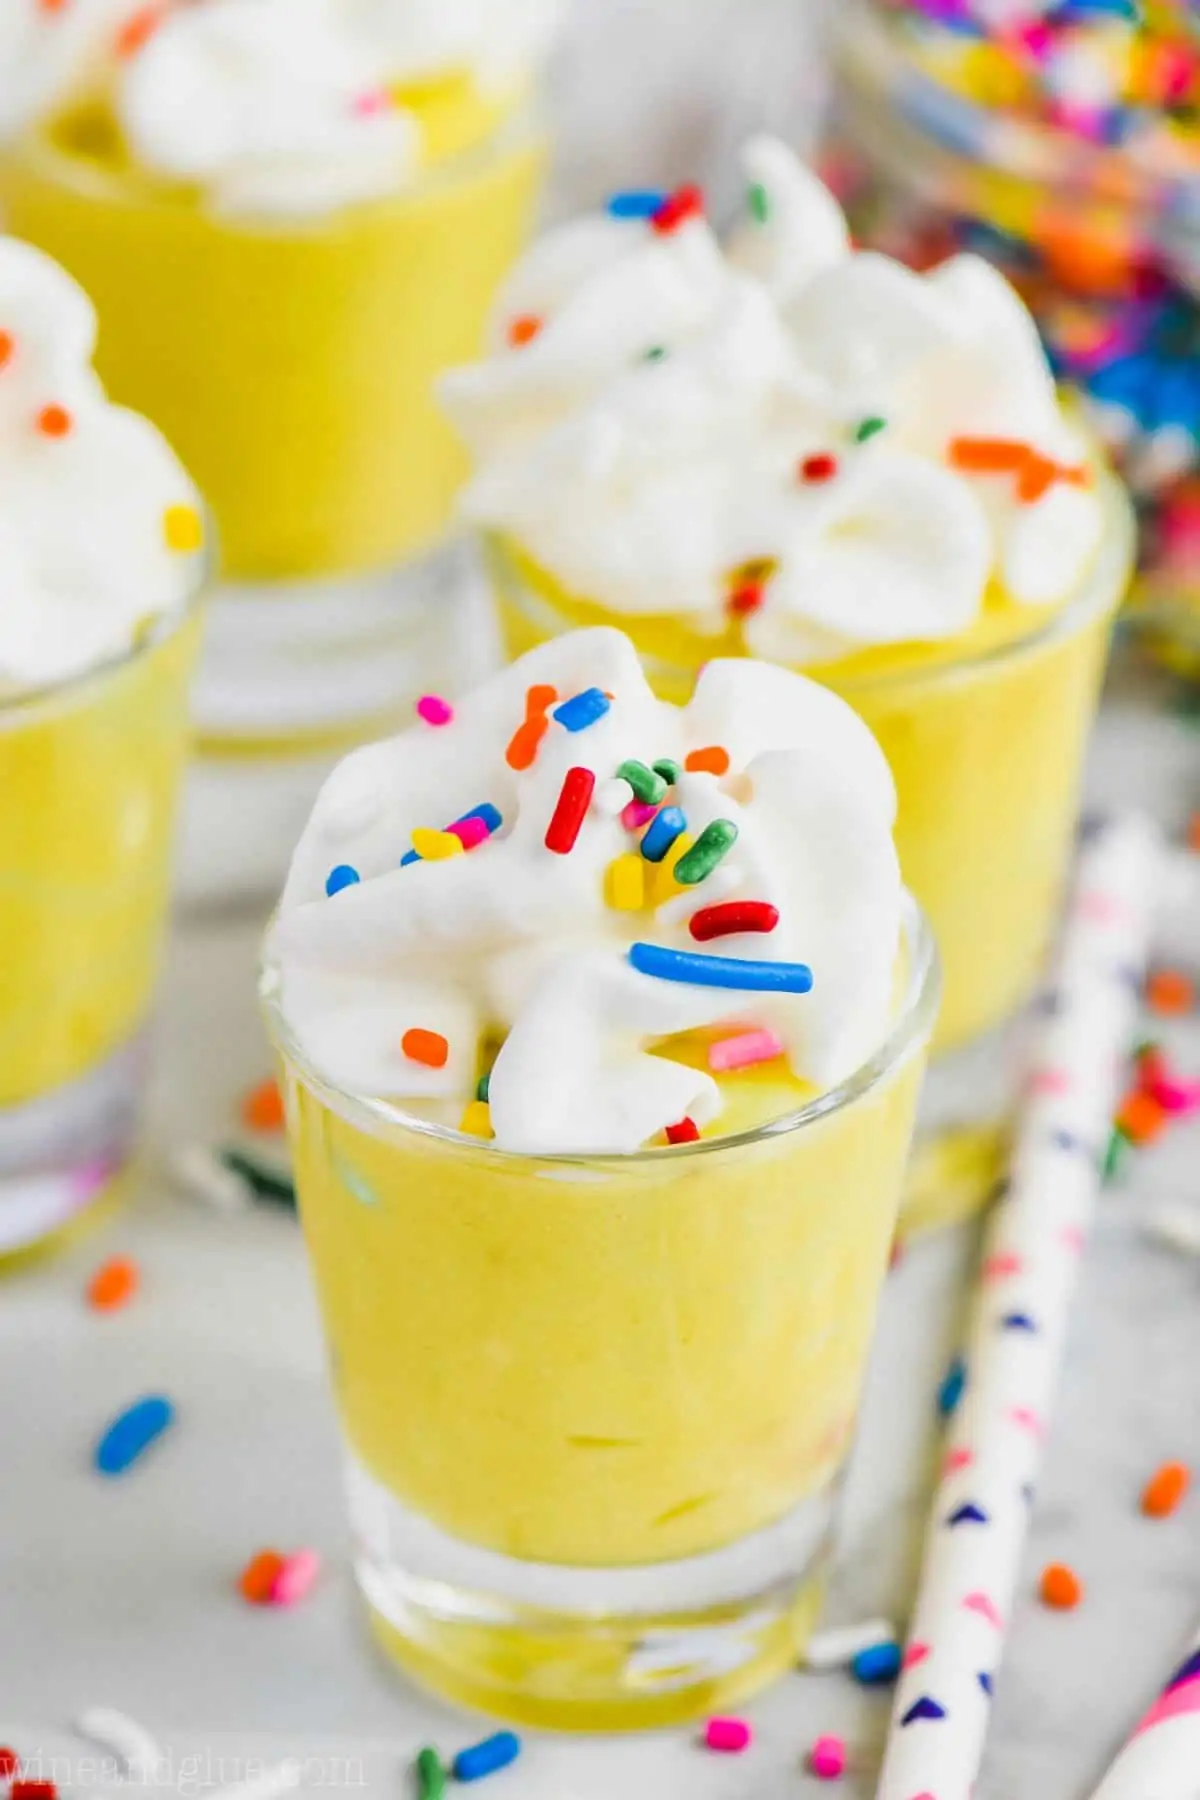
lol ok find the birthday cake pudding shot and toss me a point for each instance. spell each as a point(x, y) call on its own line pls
point(602, 1023)
point(101, 556)
point(292, 216)
point(779, 447)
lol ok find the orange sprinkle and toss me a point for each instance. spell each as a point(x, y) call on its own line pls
point(1141, 1118)
point(51, 6)
point(262, 1107)
point(523, 744)
point(428, 1047)
point(258, 1578)
point(137, 31)
point(1165, 1489)
point(7, 346)
point(988, 456)
point(539, 699)
point(1035, 477)
point(183, 528)
point(1193, 832)
point(114, 1284)
point(712, 760)
point(524, 329)
point(1170, 991)
point(1061, 1586)
point(54, 421)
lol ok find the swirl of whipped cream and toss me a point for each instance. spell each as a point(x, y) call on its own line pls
point(658, 415)
point(499, 41)
point(100, 528)
point(519, 938)
point(49, 52)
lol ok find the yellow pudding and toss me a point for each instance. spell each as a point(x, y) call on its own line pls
point(604, 1362)
point(292, 362)
point(985, 735)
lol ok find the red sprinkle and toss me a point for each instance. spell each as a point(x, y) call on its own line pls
point(730, 916)
point(686, 1132)
point(822, 467)
point(576, 796)
point(428, 1047)
point(33, 1790)
point(685, 203)
point(10, 1763)
point(747, 598)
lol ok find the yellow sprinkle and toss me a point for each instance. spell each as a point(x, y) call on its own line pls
point(625, 879)
point(183, 528)
point(435, 846)
point(477, 1120)
point(663, 885)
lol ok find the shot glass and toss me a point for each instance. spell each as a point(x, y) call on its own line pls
point(596, 1408)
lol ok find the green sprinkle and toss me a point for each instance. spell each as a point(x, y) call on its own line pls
point(759, 202)
point(431, 1776)
point(264, 1183)
point(655, 353)
point(1114, 1156)
point(482, 1086)
point(670, 771)
point(647, 787)
point(714, 843)
point(868, 428)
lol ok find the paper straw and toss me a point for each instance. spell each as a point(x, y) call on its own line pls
point(1031, 1258)
point(1161, 1761)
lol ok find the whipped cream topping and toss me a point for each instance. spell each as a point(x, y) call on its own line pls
point(272, 107)
point(838, 451)
point(100, 529)
point(558, 932)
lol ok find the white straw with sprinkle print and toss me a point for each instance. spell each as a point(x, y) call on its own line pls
point(1027, 1279)
point(1162, 1757)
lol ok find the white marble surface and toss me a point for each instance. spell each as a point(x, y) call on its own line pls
point(122, 1593)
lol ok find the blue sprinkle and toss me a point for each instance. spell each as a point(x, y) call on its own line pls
point(951, 1390)
point(924, 1708)
point(877, 1665)
point(582, 710)
point(491, 816)
point(341, 877)
point(635, 203)
point(1018, 1321)
point(131, 1433)
point(485, 1758)
point(720, 971)
point(985, 1682)
point(970, 1514)
point(410, 856)
point(661, 833)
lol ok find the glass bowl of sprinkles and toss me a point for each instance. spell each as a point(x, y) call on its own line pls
point(596, 1408)
point(1061, 143)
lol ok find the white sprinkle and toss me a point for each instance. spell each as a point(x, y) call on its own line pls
point(612, 796)
point(279, 1780)
point(837, 1649)
point(1175, 1224)
point(206, 1178)
point(115, 1731)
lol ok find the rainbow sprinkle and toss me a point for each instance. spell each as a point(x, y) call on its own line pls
point(720, 971)
point(662, 832)
point(582, 710)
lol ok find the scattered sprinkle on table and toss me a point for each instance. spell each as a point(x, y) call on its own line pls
point(114, 1284)
point(431, 1776)
point(876, 1664)
point(1060, 1587)
point(485, 1758)
point(261, 1181)
point(296, 1579)
point(33, 1790)
point(730, 1736)
point(1164, 1493)
point(258, 1577)
point(827, 1758)
point(434, 710)
point(126, 1440)
point(262, 1106)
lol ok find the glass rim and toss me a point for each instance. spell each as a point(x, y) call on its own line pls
point(36, 149)
point(1101, 590)
point(165, 626)
point(911, 1026)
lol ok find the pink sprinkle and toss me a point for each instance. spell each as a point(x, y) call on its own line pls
point(744, 1051)
point(827, 1758)
point(377, 100)
point(730, 1735)
point(954, 1460)
point(434, 710)
point(296, 1579)
point(916, 1653)
point(1050, 1081)
point(1177, 1097)
point(469, 832)
point(637, 814)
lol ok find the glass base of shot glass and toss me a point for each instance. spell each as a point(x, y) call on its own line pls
point(588, 1649)
point(295, 674)
point(62, 1154)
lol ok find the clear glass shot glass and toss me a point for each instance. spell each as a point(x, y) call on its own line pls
point(90, 770)
point(596, 1408)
